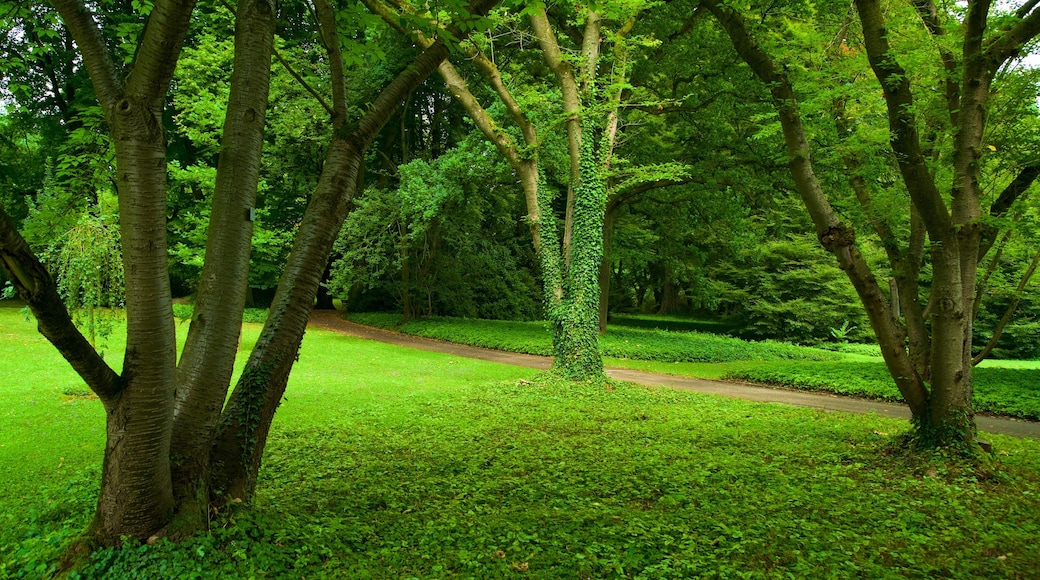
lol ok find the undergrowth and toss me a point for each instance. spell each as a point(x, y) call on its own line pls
point(387, 462)
point(551, 479)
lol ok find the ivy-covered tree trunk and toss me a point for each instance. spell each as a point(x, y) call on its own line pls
point(605, 269)
point(571, 290)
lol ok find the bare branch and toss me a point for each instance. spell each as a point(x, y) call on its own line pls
point(1026, 276)
point(1014, 190)
point(307, 86)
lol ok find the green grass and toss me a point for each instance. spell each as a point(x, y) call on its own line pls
point(672, 323)
point(386, 462)
point(631, 343)
point(1001, 391)
point(1009, 388)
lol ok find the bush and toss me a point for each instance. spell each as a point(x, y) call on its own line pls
point(790, 288)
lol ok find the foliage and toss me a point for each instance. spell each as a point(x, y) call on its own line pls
point(790, 289)
point(183, 312)
point(1002, 391)
point(420, 243)
point(570, 287)
point(508, 476)
point(673, 323)
point(633, 343)
point(89, 272)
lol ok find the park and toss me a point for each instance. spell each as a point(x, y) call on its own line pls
point(630, 289)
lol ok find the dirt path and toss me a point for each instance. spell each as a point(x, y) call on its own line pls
point(330, 320)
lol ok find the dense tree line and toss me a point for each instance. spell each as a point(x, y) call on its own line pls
point(571, 160)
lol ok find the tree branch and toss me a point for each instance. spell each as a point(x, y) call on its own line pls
point(1014, 190)
point(836, 237)
point(571, 109)
point(930, 16)
point(307, 86)
point(102, 70)
point(1009, 312)
point(159, 49)
point(326, 18)
point(1007, 45)
point(905, 141)
point(36, 287)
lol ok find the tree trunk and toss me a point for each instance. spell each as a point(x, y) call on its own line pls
point(324, 301)
point(572, 297)
point(136, 495)
point(669, 301)
point(207, 362)
point(242, 434)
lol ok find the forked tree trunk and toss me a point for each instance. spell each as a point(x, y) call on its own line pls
point(572, 288)
point(136, 496)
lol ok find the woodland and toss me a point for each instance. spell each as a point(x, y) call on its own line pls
point(807, 172)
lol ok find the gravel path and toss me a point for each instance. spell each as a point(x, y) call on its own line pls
point(331, 320)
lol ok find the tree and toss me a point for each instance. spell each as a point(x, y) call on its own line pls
point(570, 249)
point(416, 246)
point(927, 349)
point(172, 444)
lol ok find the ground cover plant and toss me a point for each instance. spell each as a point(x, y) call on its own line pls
point(389, 462)
point(624, 342)
point(672, 322)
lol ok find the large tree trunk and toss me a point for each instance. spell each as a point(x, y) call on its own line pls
point(207, 362)
point(136, 496)
point(572, 288)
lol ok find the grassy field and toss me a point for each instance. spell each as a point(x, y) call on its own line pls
point(621, 342)
point(1009, 388)
point(390, 463)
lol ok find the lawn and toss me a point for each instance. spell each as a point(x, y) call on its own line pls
point(620, 342)
point(1010, 388)
point(386, 462)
